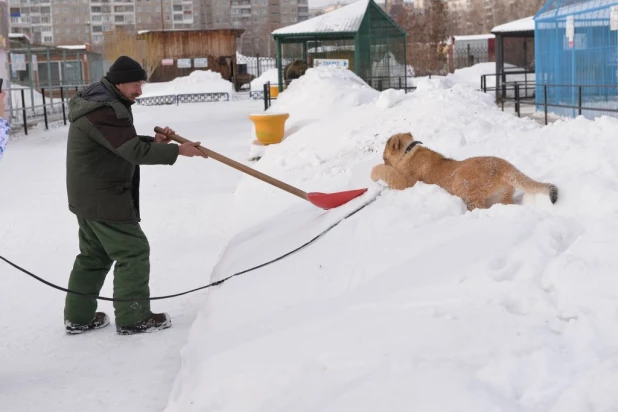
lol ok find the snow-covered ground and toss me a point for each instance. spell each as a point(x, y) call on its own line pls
point(185, 210)
point(413, 303)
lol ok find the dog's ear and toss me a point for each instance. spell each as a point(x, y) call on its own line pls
point(395, 143)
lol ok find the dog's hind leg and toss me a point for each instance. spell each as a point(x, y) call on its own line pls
point(507, 196)
point(475, 202)
point(390, 176)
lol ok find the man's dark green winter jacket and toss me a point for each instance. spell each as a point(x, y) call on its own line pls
point(103, 154)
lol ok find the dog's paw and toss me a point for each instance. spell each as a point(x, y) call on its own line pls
point(375, 173)
point(382, 183)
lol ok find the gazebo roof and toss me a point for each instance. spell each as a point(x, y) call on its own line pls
point(518, 26)
point(346, 19)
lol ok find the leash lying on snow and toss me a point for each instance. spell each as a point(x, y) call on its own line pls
point(196, 289)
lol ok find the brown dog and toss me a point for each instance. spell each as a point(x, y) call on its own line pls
point(479, 181)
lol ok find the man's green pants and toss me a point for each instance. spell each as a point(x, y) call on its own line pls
point(100, 245)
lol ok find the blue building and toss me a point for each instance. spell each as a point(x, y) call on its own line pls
point(576, 44)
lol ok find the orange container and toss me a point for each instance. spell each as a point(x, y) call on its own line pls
point(269, 128)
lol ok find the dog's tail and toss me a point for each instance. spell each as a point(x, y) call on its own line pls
point(523, 182)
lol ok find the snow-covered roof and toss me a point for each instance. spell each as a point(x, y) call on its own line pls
point(19, 36)
point(73, 47)
point(346, 19)
point(140, 32)
point(525, 24)
point(474, 37)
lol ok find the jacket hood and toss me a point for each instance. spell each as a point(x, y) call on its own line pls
point(93, 97)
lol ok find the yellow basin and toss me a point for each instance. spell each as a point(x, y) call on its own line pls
point(269, 128)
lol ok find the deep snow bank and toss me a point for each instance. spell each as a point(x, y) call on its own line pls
point(414, 302)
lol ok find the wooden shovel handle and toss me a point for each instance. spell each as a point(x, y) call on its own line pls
point(238, 166)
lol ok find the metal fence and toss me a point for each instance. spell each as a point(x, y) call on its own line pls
point(469, 56)
point(250, 68)
point(183, 98)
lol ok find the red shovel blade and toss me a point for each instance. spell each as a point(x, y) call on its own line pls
point(332, 200)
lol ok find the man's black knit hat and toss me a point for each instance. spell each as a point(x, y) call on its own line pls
point(125, 70)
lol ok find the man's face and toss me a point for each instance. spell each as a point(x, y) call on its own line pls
point(131, 90)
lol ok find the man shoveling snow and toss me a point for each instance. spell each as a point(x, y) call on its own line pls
point(103, 157)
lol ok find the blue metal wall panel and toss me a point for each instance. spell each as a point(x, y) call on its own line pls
point(582, 68)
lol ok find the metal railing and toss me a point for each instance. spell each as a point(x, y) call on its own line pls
point(29, 107)
point(183, 98)
point(524, 93)
point(528, 78)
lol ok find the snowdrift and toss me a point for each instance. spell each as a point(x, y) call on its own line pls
point(414, 303)
point(323, 91)
point(471, 76)
point(270, 75)
point(199, 81)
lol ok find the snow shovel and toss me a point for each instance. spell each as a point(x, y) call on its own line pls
point(322, 200)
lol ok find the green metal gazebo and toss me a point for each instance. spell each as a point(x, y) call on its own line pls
point(359, 36)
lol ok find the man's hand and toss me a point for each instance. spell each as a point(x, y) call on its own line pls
point(190, 149)
point(163, 137)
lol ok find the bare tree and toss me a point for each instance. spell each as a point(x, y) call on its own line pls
point(483, 15)
point(427, 34)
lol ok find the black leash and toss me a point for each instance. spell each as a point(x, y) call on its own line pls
point(192, 290)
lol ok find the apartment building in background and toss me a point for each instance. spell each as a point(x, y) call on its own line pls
point(259, 18)
point(84, 21)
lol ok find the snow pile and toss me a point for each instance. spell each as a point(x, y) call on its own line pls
point(323, 92)
point(199, 81)
point(471, 76)
point(414, 303)
point(390, 97)
point(270, 75)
